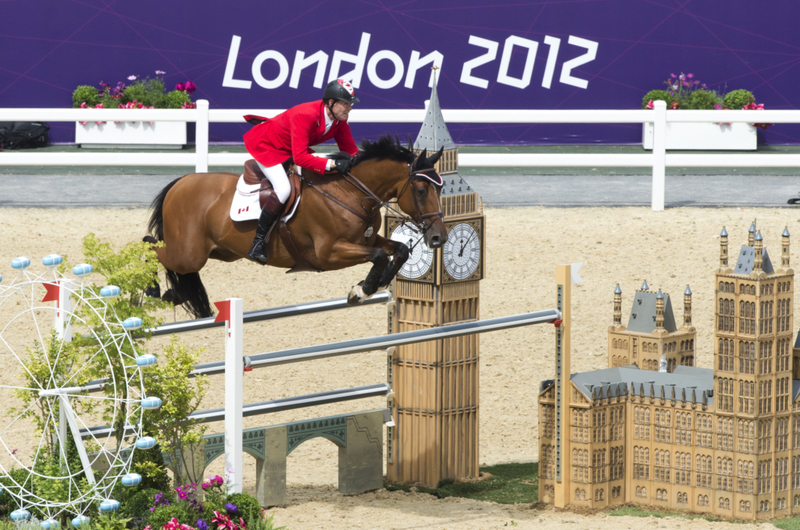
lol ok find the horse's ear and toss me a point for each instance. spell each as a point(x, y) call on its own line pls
point(410, 143)
point(432, 160)
point(424, 154)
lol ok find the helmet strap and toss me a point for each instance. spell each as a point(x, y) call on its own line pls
point(330, 108)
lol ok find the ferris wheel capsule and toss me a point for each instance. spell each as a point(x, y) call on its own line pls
point(109, 505)
point(20, 515)
point(52, 260)
point(1, 277)
point(146, 442)
point(109, 291)
point(131, 479)
point(148, 359)
point(20, 263)
point(82, 269)
point(80, 520)
point(49, 524)
point(132, 323)
point(151, 403)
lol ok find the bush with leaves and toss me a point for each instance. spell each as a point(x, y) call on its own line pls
point(657, 95)
point(738, 99)
point(248, 507)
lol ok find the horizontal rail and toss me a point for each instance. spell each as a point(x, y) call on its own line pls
point(361, 115)
point(382, 297)
point(387, 341)
point(269, 407)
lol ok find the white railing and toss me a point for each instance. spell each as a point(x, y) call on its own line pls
point(658, 160)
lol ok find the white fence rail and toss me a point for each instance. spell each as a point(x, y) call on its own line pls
point(658, 160)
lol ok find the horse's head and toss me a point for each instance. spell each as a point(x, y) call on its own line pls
point(420, 198)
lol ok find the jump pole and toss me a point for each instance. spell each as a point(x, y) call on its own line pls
point(231, 312)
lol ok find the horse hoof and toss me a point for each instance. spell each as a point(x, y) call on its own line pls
point(356, 295)
point(172, 296)
point(154, 291)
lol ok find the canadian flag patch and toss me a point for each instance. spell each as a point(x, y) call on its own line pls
point(347, 86)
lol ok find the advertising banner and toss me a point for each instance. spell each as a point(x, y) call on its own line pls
point(547, 54)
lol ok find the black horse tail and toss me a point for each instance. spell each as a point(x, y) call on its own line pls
point(186, 289)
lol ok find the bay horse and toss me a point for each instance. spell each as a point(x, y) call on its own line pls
point(191, 216)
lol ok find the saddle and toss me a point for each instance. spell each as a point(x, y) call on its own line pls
point(254, 175)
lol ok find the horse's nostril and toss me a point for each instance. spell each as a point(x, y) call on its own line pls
point(435, 241)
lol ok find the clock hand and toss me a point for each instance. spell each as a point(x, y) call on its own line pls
point(461, 252)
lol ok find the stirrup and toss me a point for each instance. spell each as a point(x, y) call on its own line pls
point(258, 253)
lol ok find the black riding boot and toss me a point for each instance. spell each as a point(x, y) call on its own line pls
point(259, 251)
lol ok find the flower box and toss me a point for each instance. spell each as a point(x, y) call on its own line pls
point(131, 135)
point(705, 136)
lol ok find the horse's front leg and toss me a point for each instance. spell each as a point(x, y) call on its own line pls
point(346, 254)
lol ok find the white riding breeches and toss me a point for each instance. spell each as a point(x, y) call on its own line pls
point(279, 180)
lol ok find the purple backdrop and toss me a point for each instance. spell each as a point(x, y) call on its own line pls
point(570, 54)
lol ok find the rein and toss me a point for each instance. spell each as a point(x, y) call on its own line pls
point(369, 214)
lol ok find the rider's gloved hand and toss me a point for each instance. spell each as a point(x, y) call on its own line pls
point(343, 165)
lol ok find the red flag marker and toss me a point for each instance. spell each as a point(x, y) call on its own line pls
point(224, 309)
point(52, 292)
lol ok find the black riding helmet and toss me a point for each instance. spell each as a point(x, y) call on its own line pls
point(340, 90)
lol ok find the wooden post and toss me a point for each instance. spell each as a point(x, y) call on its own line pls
point(563, 348)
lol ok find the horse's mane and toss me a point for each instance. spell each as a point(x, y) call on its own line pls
point(384, 147)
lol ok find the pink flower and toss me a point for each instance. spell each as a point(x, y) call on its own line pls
point(180, 86)
point(132, 78)
point(689, 76)
point(649, 105)
point(189, 105)
point(674, 105)
point(189, 87)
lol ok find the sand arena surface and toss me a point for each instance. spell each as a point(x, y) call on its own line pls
point(616, 245)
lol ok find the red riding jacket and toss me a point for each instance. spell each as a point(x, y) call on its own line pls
point(292, 132)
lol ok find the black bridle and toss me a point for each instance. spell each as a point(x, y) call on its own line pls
point(368, 216)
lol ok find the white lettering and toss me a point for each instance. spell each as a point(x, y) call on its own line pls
point(416, 63)
point(549, 69)
point(505, 61)
point(300, 63)
point(283, 65)
point(566, 69)
point(354, 75)
point(230, 66)
point(491, 53)
point(372, 69)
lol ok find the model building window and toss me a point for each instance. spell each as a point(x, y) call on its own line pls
point(703, 471)
point(662, 466)
point(795, 432)
point(744, 506)
point(599, 494)
point(725, 474)
point(702, 500)
point(726, 315)
point(616, 492)
point(765, 357)
point(725, 391)
point(747, 315)
point(780, 504)
point(725, 504)
point(747, 357)
point(797, 501)
point(641, 463)
point(764, 476)
point(746, 432)
point(763, 506)
point(764, 397)
point(781, 474)
point(784, 352)
point(683, 498)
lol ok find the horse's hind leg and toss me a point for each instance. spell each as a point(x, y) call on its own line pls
point(154, 290)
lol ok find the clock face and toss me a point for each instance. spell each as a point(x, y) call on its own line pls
point(420, 256)
point(462, 251)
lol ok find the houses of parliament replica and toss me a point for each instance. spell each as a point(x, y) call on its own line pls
point(654, 429)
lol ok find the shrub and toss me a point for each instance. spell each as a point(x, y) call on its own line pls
point(175, 100)
point(701, 100)
point(738, 99)
point(657, 95)
point(249, 507)
point(85, 94)
point(138, 504)
point(164, 514)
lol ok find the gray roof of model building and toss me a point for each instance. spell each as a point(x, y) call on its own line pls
point(745, 263)
point(643, 313)
point(434, 134)
point(630, 380)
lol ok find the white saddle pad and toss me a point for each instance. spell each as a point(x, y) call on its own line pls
point(245, 207)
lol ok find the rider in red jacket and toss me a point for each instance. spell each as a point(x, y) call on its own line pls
point(291, 135)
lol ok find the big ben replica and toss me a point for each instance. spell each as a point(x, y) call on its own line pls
point(436, 406)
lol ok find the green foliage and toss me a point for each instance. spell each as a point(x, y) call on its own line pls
point(790, 523)
point(164, 514)
point(54, 362)
point(148, 92)
point(109, 522)
point(737, 99)
point(149, 463)
point(175, 99)
point(139, 503)
point(701, 100)
point(249, 508)
point(85, 94)
point(181, 396)
point(657, 95)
